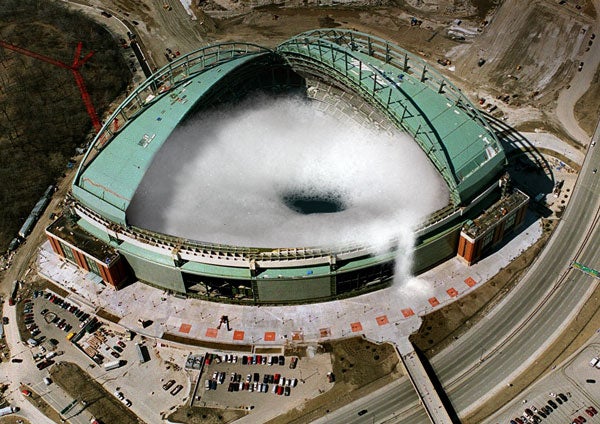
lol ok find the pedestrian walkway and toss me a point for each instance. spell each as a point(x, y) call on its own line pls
point(379, 315)
point(418, 376)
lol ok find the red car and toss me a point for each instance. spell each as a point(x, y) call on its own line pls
point(280, 390)
point(26, 392)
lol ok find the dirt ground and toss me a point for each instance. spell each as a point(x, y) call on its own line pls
point(587, 109)
point(14, 419)
point(574, 336)
point(196, 415)
point(160, 28)
point(39, 402)
point(525, 56)
point(101, 404)
point(440, 328)
point(359, 367)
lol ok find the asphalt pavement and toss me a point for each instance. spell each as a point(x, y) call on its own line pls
point(498, 348)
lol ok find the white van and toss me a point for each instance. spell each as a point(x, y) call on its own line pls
point(47, 381)
point(594, 361)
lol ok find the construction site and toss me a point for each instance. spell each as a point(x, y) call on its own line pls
point(524, 73)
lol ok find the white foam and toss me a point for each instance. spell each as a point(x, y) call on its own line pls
point(220, 177)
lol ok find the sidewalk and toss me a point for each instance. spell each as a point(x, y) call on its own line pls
point(380, 315)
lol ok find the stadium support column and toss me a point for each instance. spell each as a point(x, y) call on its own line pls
point(332, 273)
point(253, 271)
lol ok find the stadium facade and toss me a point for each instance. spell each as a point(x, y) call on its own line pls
point(347, 74)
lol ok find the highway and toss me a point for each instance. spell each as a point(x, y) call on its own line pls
point(527, 320)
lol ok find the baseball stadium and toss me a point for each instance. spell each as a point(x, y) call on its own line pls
point(347, 74)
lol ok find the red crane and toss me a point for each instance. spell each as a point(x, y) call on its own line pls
point(78, 62)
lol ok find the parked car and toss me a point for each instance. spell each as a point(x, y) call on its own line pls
point(168, 384)
point(176, 390)
point(293, 362)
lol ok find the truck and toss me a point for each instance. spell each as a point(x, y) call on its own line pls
point(8, 410)
point(50, 355)
point(36, 212)
point(112, 365)
point(142, 352)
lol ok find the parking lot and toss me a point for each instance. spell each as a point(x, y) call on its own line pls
point(52, 319)
point(48, 321)
point(262, 382)
point(569, 395)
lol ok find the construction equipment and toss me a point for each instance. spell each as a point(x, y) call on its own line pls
point(78, 62)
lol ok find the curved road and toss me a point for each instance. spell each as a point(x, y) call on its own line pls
point(567, 99)
point(519, 328)
point(511, 335)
